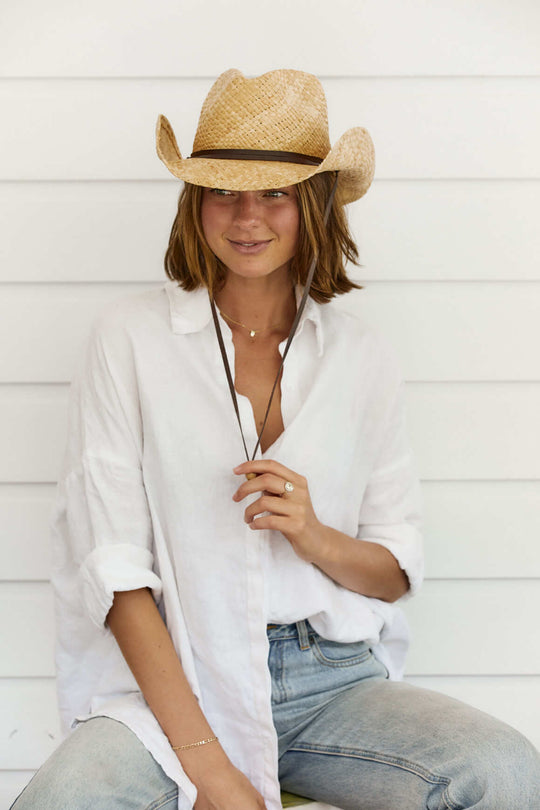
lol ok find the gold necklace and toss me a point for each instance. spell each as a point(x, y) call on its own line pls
point(252, 332)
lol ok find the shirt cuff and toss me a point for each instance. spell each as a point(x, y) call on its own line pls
point(118, 567)
point(406, 548)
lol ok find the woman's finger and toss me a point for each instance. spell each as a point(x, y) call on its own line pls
point(268, 503)
point(277, 523)
point(262, 483)
point(267, 465)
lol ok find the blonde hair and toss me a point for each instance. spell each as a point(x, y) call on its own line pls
point(190, 261)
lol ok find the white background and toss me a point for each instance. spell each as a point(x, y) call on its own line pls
point(449, 242)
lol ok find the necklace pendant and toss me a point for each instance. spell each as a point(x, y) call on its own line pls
point(252, 333)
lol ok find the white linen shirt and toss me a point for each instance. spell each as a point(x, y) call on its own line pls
point(145, 500)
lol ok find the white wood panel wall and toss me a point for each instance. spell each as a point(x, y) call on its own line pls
point(450, 247)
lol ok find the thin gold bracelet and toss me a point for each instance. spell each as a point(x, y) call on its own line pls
point(193, 745)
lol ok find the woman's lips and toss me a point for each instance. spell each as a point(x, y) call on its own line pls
point(252, 247)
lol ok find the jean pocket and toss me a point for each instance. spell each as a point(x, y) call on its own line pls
point(338, 653)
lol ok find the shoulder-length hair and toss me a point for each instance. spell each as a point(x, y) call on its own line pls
point(190, 261)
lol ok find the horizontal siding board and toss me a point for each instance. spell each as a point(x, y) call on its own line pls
point(11, 784)
point(468, 431)
point(346, 37)
point(30, 722)
point(33, 422)
point(26, 630)
point(405, 229)
point(102, 231)
point(422, 128)
point(463, 628)
point(474, 431)
point(54, 321)
point(24, 529)
point(472, 529)
point(31, 719)
point(455, 331)
point(459, 628)
point(482, 528)
point(449, 229)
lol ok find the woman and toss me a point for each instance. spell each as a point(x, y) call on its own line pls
point(223, 624)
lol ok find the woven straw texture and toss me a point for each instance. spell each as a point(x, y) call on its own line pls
point(282, 110)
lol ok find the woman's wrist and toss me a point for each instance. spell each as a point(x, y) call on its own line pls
point(322, 545)
point(194, 744)
point(202, 761)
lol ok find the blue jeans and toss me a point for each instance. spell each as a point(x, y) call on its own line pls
point(347, 736)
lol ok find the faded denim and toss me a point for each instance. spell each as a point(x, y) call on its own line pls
point(350, 737)
point(347, 736)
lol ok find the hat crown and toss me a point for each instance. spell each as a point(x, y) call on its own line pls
point(281, 110)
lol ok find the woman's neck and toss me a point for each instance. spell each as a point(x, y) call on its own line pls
point(261, 304)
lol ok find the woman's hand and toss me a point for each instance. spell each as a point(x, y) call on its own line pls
point(227, 788)
point(291, 512)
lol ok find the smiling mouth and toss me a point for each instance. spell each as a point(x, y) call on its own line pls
point(249, 244)
point(252, 248)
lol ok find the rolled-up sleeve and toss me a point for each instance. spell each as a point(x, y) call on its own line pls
point(107, 540)
point(391, 510)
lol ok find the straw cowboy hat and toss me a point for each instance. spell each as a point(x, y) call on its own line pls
point(268, 132)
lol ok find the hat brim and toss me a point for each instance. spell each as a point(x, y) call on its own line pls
point(353, 156)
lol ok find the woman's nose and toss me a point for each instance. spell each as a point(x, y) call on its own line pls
point(247, 211)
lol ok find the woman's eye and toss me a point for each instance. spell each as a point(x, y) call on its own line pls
point(221, 192)
point(275, 192)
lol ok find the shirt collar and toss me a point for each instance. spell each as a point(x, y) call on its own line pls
point(191, 312)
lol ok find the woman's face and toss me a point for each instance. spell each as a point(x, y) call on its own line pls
point(254, 233)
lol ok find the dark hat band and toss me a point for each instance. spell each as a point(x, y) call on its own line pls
point(258, 154)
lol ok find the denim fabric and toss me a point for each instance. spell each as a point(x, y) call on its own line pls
point(102, 765)
point(350, 737)
point(347, 736)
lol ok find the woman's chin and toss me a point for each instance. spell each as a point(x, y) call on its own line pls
point(257, 270)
